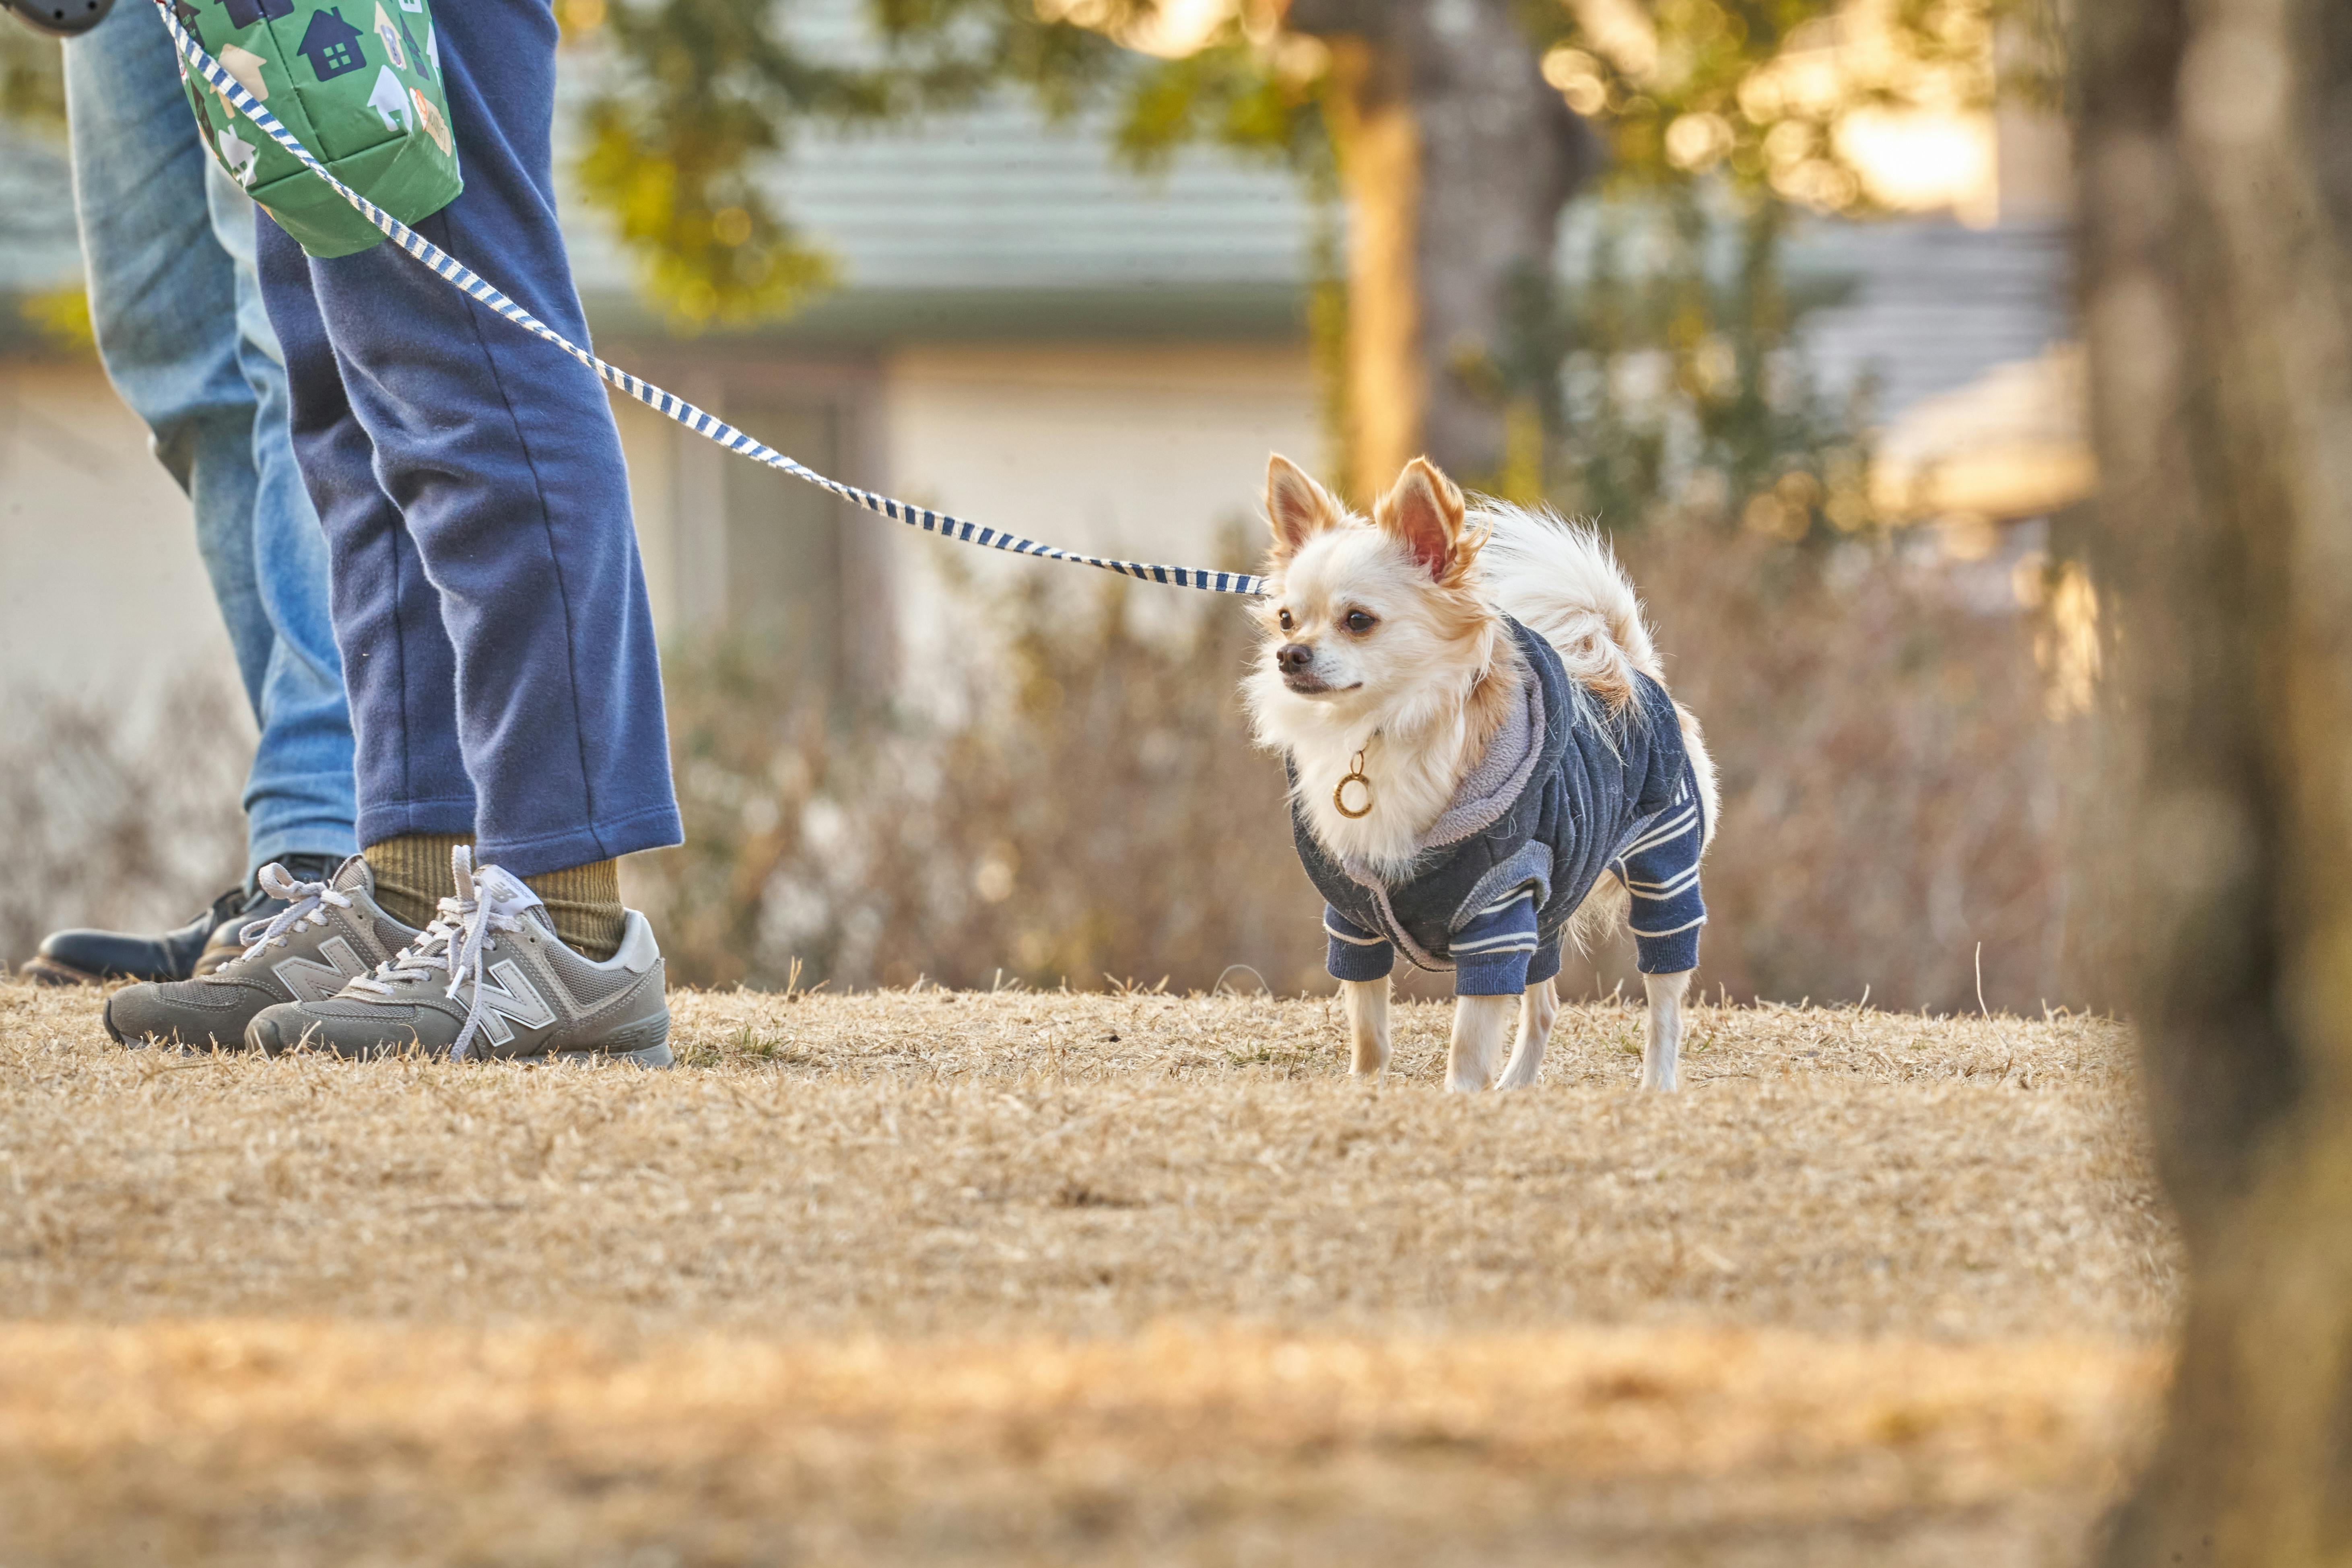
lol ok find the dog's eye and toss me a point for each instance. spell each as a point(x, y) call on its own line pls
point(1286, 622)
point(1359, 622)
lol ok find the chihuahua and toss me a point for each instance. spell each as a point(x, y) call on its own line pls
point(1483, 761)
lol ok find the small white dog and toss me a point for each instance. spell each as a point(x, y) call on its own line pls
point(1483, 759)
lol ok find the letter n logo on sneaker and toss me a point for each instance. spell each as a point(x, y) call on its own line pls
point(312, 982)
point(513, 997)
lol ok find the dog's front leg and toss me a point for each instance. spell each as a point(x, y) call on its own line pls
point(1663, 1053)
point(1537, 1008)
point(1479, 1025)
point(1366, 1003)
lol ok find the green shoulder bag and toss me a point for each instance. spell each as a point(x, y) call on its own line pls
point(358, 82)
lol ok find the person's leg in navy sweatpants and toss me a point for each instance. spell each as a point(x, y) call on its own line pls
point(487, 596)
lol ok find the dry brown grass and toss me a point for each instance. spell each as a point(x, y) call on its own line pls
point(930, 1277)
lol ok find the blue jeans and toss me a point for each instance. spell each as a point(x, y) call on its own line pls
point(488, 594)
point(168, 241)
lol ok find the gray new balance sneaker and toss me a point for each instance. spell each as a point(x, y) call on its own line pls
point(490, 979)
point(323, 936)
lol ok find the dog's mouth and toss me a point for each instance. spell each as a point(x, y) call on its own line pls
point(1306, 683)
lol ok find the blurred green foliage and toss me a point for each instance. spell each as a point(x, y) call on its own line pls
point(703, 90)
point(32, 80)
point(1232, 94)
point(33, 99)
point(1666, 376)
point(1751, 91)
point(695, 96)
point(1675, 384)
point(61, 316)
point(1740, 92)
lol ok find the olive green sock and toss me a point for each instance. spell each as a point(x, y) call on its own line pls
point(412, 874)
point(584, 902)
point(411, 878)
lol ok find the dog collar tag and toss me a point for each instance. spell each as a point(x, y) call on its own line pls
point(1355, 775)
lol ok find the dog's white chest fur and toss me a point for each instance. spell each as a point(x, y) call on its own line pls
point(1411, 779)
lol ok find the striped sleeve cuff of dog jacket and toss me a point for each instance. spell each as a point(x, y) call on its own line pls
point(1660, 869)
point(1495, 955)
point(1355, 953)
point(1494, 952)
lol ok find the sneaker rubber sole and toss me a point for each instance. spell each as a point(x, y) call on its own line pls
point(645, 1045)
point(114, 1032)
point(49, 971)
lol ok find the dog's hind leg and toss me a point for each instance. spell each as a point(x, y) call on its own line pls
point(1537, 1008)
point(1479, 1025)
point(1367, 1003)
point(1663, 1053)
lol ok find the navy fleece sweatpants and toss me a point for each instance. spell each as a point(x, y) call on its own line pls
point(488, 597)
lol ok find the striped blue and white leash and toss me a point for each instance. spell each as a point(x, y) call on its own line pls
point(460, 276)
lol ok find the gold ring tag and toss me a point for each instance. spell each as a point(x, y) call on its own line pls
point(1355, 775)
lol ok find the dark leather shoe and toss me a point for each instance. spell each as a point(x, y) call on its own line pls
point(202, 945)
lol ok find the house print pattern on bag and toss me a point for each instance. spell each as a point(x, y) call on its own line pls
point(390, 101)
point(246, 66)
point(331, 45)
point(435, 126)
point(356, 79)
point(391, 37)
point(238, 156)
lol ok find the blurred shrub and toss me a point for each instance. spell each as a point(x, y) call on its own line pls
point(1895, 789)
point(1896, 793)
point(119, 820)
point(1669, 383)
point(1893, 797)
point(1097, 812)
point(61, 319)
point(32, 81)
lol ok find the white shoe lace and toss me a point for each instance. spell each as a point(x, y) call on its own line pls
point(454, 944)
point(306, 905)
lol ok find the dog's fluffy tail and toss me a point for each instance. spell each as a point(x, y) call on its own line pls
point(1561, 580)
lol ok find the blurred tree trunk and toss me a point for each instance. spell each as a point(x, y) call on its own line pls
point(1456, 157)
point(2215, 154)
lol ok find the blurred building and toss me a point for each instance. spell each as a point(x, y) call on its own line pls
point(1023, 334)
point(1029, 336)
point(99, 577)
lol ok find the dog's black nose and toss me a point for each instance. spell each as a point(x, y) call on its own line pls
point(1294, 657)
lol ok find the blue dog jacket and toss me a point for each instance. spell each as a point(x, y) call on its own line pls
point(1565, 794)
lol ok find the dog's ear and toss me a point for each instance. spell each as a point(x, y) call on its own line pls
point(1422, 511)
point(1296, 506)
